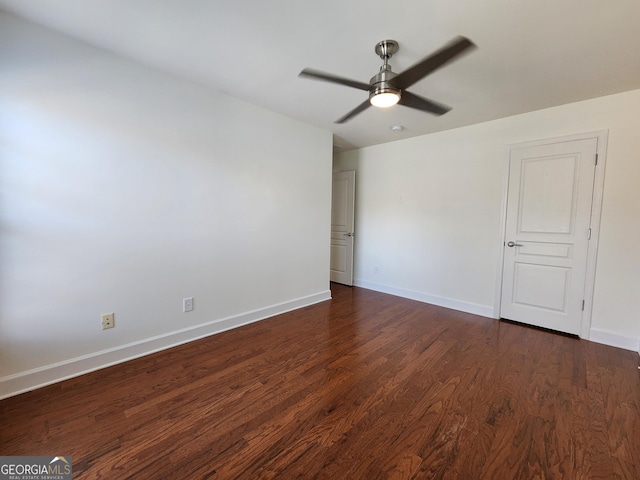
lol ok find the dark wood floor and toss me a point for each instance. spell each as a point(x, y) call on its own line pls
point(366, 386)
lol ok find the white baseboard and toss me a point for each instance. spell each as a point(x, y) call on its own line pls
point(468, 307)
point(614, 339)
point(39, 377)
point(595, 334)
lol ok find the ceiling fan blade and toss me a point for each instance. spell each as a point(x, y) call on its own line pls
point(432, 62)
point(360, 108)
point(327, 77)
point(412, 100)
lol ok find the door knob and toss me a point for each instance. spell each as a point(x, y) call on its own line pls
point(514, 244)
point(349, 234)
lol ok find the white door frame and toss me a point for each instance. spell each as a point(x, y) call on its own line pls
point(602, 137)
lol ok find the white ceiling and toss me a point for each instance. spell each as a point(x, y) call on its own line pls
point(531, 54)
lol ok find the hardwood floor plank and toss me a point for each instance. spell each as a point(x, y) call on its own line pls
point(365, 386)
point(404, 467)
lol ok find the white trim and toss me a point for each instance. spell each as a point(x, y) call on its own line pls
point(596, 335)
point(468, 307)
point(497, 298)
point(39, 377)
point(602, 137)
point(614, 339)
point(596, 210)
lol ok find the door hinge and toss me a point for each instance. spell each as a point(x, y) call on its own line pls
point(583, 305)
point(596, 159)
point(589, 236)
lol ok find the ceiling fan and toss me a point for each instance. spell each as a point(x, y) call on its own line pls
point(388, 88)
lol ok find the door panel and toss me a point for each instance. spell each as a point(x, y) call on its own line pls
point(547, 233)
point(342, 222)
point(541, 286)
point(548, 194)
point(339, 255)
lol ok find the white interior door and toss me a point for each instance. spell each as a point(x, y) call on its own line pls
point(342, 218)
point(547, 234)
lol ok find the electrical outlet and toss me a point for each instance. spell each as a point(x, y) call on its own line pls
point(108, 320)
point(187, 304)
point(376, 269)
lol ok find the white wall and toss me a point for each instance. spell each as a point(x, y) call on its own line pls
point(441, 242)
point(125, 189)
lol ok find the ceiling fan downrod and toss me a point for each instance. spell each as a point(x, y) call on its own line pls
point(386, 48)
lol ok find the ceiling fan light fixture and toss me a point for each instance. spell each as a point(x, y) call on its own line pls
point(384, 95)
point(388, 88)
point(384, 99)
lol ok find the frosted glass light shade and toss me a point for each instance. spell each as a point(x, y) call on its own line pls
point(385, 99)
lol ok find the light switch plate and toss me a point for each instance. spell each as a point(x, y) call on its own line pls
point(187, 304)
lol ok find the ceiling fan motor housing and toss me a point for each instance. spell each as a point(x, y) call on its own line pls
point(381, 82)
